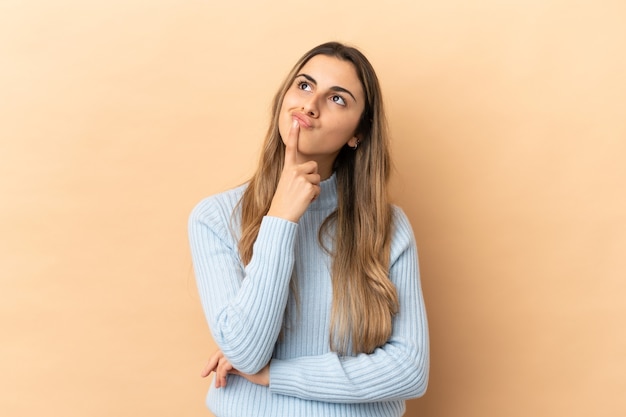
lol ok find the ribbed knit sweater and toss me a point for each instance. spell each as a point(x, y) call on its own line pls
point(247, 307)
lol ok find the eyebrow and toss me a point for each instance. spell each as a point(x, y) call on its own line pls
point(333, 88)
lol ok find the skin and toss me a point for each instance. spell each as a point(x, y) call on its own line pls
point(222, 367)
point(318, 117)
point(327, 99)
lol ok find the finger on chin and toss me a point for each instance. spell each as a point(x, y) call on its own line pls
point(291, 146)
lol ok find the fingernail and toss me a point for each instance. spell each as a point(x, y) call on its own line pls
point(294, 123)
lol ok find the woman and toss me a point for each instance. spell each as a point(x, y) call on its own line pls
point(308, 276)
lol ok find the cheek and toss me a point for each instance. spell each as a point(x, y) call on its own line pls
point(346, 126)
point(291, 101)
point(283, 124)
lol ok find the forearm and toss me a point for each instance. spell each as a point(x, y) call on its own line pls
point(245, 306)
point(393, 372)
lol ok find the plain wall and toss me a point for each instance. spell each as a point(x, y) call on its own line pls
point(509, 138)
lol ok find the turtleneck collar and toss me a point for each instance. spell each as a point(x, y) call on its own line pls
point(328, 194)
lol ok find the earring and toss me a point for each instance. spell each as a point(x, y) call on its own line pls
point(356, 145)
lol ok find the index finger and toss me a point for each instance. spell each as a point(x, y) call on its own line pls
point(291, 144)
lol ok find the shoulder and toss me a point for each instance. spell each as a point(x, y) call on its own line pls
point(402, 237)
point(226, 200)
point(216, 211)
point(401, 225)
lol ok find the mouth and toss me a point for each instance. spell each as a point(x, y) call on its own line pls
point(302, 119)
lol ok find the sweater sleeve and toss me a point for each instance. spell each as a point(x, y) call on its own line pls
point(244, 306)
point(395, 371)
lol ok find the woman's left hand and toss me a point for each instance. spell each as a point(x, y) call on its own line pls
point(222, 367)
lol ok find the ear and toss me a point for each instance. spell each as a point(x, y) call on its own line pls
point(353, 142)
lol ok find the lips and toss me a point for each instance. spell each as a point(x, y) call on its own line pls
point(302, 119)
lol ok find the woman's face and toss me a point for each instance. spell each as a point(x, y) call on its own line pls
point(327, 100)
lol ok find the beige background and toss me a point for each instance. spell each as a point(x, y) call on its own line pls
point(509, 138)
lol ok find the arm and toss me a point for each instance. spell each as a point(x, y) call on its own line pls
point(222, 367)
point(396, 370)
point(243, 306)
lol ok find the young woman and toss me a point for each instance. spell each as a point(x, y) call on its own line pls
point(308, 276)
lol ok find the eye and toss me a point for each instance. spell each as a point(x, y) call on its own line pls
point(339, 100)
point(304, 85)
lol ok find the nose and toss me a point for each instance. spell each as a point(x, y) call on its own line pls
point(310, 108)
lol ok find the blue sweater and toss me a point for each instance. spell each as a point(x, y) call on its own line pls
point(247, 307)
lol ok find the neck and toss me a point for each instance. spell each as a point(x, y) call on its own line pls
point(325, 170)
point(324, 164)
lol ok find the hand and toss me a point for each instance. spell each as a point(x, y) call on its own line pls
point(299, 184)
point(222, 367)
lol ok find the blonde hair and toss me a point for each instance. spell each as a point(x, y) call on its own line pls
point(364, 298)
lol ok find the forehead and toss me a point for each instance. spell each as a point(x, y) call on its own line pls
point(329, 71)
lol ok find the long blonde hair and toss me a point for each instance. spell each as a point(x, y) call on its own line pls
point(364, 298)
